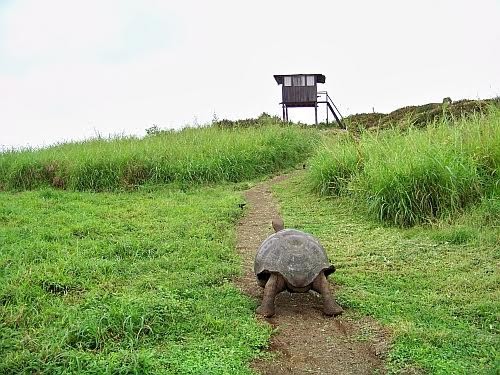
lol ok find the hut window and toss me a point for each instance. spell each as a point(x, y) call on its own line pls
point(310, 80)
point(299, 80)
point(288, 81)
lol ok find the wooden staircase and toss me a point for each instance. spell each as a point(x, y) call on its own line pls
point(324, 98)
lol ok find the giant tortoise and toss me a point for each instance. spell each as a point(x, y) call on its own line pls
point(295, 261)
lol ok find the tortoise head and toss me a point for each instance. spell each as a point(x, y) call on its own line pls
point(278, 224)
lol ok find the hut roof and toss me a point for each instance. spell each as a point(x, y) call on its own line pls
point(320, 78)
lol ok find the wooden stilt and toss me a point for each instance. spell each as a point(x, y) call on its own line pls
point(326, 115)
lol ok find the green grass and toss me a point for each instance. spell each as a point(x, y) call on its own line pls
point(138, 279)
point(416, 176)
point(121, 283)
point(440, 298)
point(334, 165)
point(190, 156)
point(420, 115)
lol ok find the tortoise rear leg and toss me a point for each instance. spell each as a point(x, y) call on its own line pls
point(274, 285)
point(320, 285)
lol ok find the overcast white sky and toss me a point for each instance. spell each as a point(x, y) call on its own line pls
point(74, 69)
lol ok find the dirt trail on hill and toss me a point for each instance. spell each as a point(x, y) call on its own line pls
point(305, 341)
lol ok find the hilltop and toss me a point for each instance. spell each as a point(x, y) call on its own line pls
point(420, 115)
point(413, 115)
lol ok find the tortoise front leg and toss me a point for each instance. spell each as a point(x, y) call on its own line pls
point(274, 285)
point(320, 285)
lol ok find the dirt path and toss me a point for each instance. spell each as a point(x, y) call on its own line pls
point(306, 341)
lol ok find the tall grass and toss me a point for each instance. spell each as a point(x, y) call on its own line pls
point(189, 156)
point(407, 180)
point(334, 165)
point(411, 177)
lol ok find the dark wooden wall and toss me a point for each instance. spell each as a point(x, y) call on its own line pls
point(299, 94)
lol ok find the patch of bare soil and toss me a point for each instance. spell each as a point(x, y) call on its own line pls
point(305, 341)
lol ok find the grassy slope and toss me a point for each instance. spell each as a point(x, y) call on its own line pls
point(204, 155)
point(440, 299)
point(419, 115)
point(137, 281)
point(415, 176)
point(123, 283)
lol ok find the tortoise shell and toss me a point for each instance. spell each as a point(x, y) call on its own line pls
point(297, 256)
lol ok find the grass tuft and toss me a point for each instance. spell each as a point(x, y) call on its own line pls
point(333, 166)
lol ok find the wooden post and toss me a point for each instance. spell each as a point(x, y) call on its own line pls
point(286, 111)
point(283, 107)
point(316, 113)
point(326, 106)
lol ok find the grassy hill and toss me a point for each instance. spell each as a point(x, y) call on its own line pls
point(117, 254)
point(411, 177)
point(189, 156)
point(421, 115)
